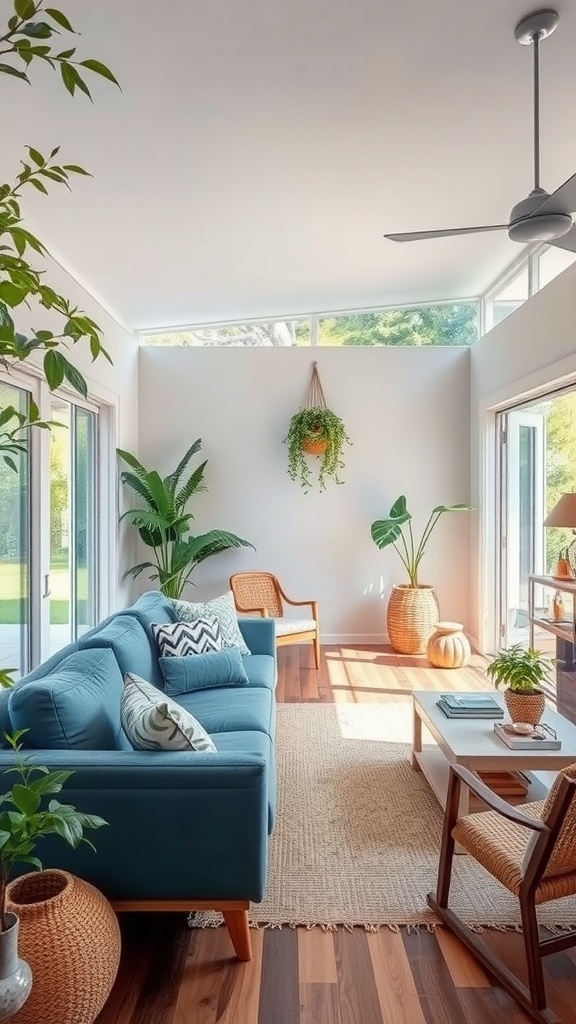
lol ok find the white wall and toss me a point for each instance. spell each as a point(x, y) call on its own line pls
point(406, 411)
point(113, 386)
point(533, 350)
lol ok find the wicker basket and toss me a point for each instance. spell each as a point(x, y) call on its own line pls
point(525, 707)
point(411, 617)
point(70, 937)
point(314, 447)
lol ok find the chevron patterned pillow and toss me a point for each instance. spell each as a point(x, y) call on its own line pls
point(179, 639)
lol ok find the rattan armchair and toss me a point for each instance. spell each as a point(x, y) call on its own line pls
point(261, 592)
point(531, 850)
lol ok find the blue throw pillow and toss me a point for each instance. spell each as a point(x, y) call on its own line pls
point(203, 671)
point(76, 706)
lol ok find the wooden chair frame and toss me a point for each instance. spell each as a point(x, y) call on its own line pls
point(287, 638)
point(532, 999)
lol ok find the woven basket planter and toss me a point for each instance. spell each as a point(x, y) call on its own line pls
point(69, 935)
point(411, 617)
point(525, 707)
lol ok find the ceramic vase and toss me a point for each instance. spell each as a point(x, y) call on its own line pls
point(15, 974)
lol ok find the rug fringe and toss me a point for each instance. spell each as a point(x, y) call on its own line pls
point(411, 927)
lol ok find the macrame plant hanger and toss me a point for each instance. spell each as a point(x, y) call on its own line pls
point(315, 395)
point(315, 400)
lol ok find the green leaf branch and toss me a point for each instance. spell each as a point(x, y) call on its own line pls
point(390, 531)
point(27, 815)
point(34, 33)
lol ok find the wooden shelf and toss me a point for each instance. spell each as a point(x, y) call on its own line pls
point(562, 629)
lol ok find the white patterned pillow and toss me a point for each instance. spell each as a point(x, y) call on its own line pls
point(152, 721)
point(179, 639)
point(221, 608)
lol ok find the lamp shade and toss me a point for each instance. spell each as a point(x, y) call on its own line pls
point(563, 513)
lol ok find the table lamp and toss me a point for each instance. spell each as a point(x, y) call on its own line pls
point(564, 515)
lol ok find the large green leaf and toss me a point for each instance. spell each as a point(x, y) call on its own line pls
point(192, 486)
point(143, 517)
point(133, 462)
point(399, 509)
point(385, 532)
point(162, 497)
point(450, 508)
point(173, 479)
point(137, 484)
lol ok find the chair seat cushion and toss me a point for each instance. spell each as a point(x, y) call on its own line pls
point(285, 627)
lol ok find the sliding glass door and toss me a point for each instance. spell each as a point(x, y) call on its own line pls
point(14, 546)
point(523, 447)
point(71, 586)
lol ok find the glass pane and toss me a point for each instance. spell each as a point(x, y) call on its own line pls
point(447, 324)
point(553, 262)
point(60, 494)
point(84, 525)
point(14, 548)
point(509, 299)
point(272, 334)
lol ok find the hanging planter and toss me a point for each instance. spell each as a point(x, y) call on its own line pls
point(315, 431)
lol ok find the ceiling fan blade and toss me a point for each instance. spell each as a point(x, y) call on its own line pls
point(567, 241)
point(563, 200)
point(417, 236)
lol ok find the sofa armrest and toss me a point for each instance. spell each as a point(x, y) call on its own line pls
point(180, 825)
point(259, 634)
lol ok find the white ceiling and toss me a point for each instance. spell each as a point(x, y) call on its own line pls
point(260, 149)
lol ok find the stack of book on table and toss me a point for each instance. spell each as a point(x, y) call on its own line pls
point(469, 705)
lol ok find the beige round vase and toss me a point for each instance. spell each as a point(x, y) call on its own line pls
point(525, 707)
point(411, 617)
point(70, 937)
point(448, 647)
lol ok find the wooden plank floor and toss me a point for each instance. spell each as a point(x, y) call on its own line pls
point(169, 975)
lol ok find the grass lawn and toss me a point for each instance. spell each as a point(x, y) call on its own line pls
point(11, 592)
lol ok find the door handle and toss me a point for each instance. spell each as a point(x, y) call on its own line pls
point(47, 590)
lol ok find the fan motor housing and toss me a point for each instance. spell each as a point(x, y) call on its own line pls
point(525, 226)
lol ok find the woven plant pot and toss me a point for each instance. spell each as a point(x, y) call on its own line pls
point(70, 937)
point(448, 647)
point(525, 707)
point(314, 447)
point(411, 617)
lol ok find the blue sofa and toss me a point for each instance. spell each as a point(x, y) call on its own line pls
point(186, 830)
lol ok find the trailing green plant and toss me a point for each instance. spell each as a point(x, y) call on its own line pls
point(32, 34)
point(312, 425)
point(391, 531)
point(164, 524)
point(25, 818)
point(521, 669)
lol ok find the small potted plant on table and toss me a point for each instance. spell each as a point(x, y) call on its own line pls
point(522, 670)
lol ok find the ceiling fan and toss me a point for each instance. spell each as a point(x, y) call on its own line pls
point(540, 217)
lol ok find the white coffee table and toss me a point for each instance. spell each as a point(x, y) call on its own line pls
point(474, 744)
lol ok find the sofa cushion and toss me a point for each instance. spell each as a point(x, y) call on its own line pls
point(154, 722)
point(223, 609)
point(261, 670)
point(179, 639)
point(76, 706)
point(132, 648)
point(203, 671)
point(238, 710)
point(151, 607)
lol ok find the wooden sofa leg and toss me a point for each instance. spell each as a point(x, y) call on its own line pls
point(237, 924)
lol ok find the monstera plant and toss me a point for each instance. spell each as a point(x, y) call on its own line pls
point(164, 524)
point(413, 607)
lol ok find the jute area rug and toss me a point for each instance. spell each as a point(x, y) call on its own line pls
point(358, 831)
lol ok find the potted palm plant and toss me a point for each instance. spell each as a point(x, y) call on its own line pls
point(164, 524)
point(413, 610)
point(523, 671)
